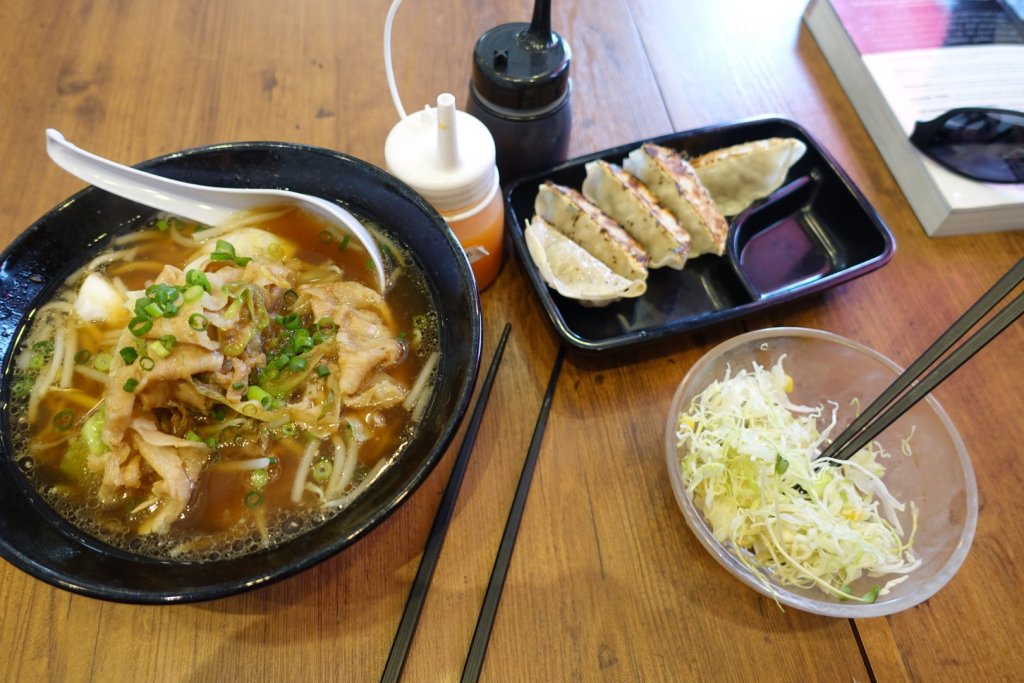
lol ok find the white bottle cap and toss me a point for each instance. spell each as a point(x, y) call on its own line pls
point(446, 155)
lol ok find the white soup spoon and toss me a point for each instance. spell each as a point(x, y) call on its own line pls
point(200, 203)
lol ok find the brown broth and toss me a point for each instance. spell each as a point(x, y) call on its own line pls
point(221, 519)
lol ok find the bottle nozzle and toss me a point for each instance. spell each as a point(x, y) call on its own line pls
point(447, 136)
point(539, 32)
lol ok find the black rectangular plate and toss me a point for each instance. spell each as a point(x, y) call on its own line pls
point(813, 233)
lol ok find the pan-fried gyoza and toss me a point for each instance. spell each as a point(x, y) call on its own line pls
point(657, 210)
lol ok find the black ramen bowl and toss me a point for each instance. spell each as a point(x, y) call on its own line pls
point(36, 539)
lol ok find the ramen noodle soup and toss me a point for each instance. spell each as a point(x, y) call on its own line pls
point(200, 393)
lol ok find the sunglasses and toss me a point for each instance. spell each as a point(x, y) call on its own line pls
point(978, 143)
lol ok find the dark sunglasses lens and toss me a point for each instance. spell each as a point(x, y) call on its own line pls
point(986, 145)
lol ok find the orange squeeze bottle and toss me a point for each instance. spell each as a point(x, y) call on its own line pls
point(448, 156)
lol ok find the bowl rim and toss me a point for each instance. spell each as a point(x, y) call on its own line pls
point(264, 571)
point(695, 520)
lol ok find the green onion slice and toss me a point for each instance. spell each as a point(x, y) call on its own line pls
point(63, 420)
point(322, 470)
point(259, 478)
point(198, 322)
point(193, 294)
point(157, 348)
point(197, 278)
point(224, 251)
point(102, 361)
point(140, 326)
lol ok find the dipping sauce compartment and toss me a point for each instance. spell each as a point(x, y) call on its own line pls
point(773, 245)
point(815, 231)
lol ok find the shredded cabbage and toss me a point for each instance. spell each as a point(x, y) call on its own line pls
point(748, 461)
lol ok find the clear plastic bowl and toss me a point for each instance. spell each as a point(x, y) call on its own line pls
point(937, 476)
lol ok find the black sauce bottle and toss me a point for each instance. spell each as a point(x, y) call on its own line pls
point(522, 92)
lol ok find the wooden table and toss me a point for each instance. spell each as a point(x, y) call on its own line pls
point(606, 582)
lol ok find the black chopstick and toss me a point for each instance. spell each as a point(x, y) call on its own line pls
point(485, 622)
point(887, 408)
point(414, 605)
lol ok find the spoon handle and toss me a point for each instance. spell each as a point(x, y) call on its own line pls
point(165, 194)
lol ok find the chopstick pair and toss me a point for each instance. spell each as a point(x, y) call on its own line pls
point(890, 405)
point(417, 596)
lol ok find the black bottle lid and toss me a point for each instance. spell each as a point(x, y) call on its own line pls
point(522, 66)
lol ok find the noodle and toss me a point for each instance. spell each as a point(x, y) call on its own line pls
point(242, 220)
point(181, 240)
point(346, 457)
point(70, 349)
point(133, 237)
point(303, 469)
point(58, 306)
point(421, 382)
point(51, 444)
point(45, 381)
point(370, 477)
point(109, 257)
point(91, 336)
point(93, 374)
point(76, 396)
point(240, 465)
point(145, 504)
point(119, 286)
point(135, 267)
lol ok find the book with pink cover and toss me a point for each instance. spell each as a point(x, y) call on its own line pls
point(902, 61)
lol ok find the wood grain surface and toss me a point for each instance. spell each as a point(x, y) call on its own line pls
point(606, 582)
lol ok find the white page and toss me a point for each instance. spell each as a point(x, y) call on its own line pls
point(922, 84)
